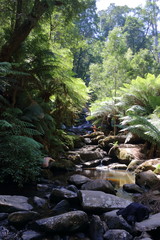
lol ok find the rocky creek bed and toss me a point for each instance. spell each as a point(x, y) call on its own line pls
point(84, 208)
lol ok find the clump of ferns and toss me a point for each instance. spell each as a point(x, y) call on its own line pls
point(146, 128)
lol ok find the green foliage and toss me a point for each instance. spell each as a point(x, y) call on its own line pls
point(101, 111)
point(147, 129)
point(157, 170)
point(12, 116)
point(142, 92)
point(20, 159)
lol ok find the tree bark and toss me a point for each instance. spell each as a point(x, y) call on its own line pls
point(21, 32)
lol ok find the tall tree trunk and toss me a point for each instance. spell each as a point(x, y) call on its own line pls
point(22, 31)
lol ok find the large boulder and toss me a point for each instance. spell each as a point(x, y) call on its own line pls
point(109, 141)
point(132, 188)
point(114, 221)
point(22, 217)
point(97, 201)
point(78, 179)
point(10, 204)
point(147, 179)
point(59, 194)
point(134, 164)
point(67, 222)
point(99, 185)
point(148, 165)
point(125, 153)
point(88, 155)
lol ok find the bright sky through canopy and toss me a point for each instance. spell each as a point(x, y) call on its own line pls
point(104, 4)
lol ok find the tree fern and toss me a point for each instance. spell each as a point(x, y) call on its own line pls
point(147, 129)
point(141, 91)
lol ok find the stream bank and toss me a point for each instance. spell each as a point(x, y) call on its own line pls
point(80, 207)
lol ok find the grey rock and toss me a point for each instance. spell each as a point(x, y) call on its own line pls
point(10, 204)
point(78, 179)
point(39, 202)
point(96, 229)
point(132, 188)
point(30, 235)
point(43, 187)
point(61, 207)
point(134, 164)
point(22, 217)
point(100, 201)
point(149, 224)
point(67, 222)
point(147, 179)
point(59, 194)
point(117, 234)
point(114, 221)
point(119, 166)
point(90, 155)
point(99, 185)
point(93, 163)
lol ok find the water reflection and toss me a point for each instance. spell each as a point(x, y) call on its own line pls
point(117, 177)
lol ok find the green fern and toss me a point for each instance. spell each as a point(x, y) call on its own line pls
point(147, 129)
point(20, 159)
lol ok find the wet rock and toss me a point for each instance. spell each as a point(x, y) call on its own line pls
point(114, 221)
point(88, 155)
point(93, 163)
point(30, 235)
point(96, 139)
point(61, 207)
point(99, 185)
point(39, 202)
point(143, 236)
point(4, 232)
point(94, 134)
point(124, 155)
point(149, 224)
point(98, 201)
point(132, 188)
point(67, 222)
point(72, 188)
point(96, 228)
point(78, 179)
point(117, 166)
point(148, 165)
point(10, 204)
point(117, 234)
point(22, 217)
point(107, 141)
point(134, 164)
point(147, 179)
point(106, 161)
point(43, 187)
point(74, 157)
point(59, 194)
point(87, 141)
